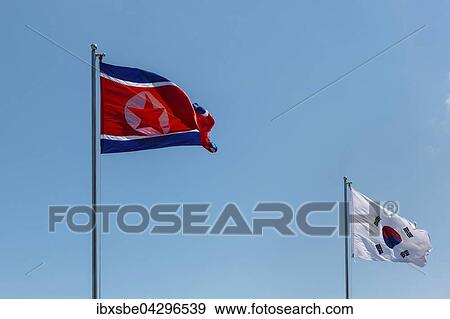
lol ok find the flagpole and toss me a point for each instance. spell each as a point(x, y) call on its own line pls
point(347, 290)
point(94, 170)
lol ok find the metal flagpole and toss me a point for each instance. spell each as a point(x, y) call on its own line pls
point(99, 293)
point(94, 239)
point(94, 170)
point(346, 184)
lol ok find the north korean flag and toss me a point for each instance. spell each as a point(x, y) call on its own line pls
point(142, 110)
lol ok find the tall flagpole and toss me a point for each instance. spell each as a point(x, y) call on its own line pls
point(94, 257)
point(346, 184)
point(94, 170)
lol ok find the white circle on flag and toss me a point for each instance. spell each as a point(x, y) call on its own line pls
point(139, 101)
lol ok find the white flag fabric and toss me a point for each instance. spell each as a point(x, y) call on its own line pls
point(378, 234)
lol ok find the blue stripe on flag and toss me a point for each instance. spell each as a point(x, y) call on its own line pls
point(130, 74)
point(178, 139)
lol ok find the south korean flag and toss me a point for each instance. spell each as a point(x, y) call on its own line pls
point(381, 235)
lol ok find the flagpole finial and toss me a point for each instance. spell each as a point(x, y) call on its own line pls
point(347, 181)
point(93, 46)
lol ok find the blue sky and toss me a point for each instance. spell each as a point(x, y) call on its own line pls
point(386, 126)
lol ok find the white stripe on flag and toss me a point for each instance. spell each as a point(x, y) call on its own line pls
point(137, 137)
point(136, 84)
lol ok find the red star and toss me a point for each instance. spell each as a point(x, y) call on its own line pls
point(149, 116)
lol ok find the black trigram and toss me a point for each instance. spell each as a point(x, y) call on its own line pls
point(377, 220)
point(379, 248)
point(407, 232)
point(404, 253)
